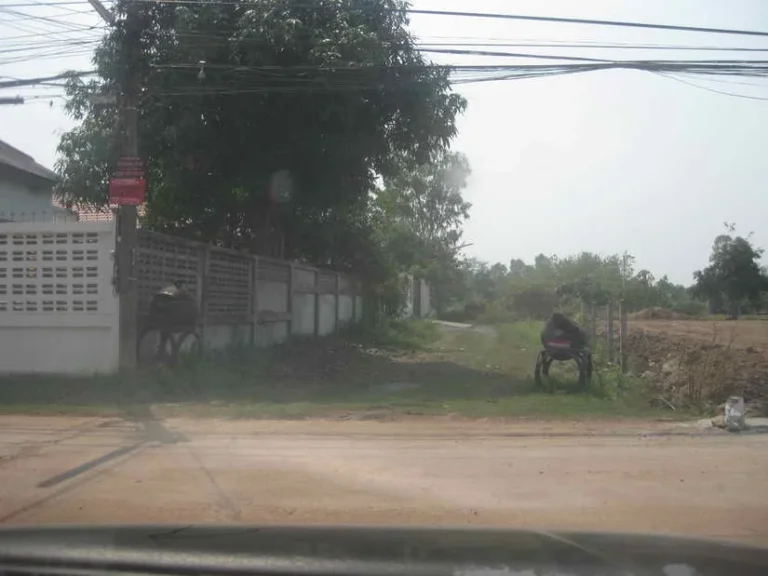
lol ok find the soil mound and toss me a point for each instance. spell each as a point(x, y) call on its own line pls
point(657, 313)
point(692, 373)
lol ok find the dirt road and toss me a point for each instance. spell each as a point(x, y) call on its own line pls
point(599, 476)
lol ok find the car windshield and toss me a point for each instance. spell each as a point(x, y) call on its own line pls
point(385, 262)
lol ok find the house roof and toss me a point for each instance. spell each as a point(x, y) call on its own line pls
point(16, 159)
point(85, 214)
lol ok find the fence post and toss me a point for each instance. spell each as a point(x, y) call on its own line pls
point(611, 352)
point(623, 337)
point(356, 291)
point(289, 303)
point(317, 302)
point(126, 246)
point(338, 303)
point(203, 267)
point(254, 298)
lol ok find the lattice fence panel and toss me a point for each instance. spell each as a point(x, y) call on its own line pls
point(229, 286)
point(274, 270)
point(162, 260)
point(304, 279)
point(345, 285)
point(327, 283)
point(55, 272)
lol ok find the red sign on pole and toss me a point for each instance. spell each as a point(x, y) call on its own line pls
point(127, 191)
point(128, 185)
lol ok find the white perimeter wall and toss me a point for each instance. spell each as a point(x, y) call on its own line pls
point(58, 312)
point(272, 302)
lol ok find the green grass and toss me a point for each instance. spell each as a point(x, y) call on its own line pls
point(402, 368)
point(535, 405)
point(398, 334)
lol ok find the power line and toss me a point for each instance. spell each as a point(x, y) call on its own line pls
point(485, 15)
point(33, 81)
point(55, 54)
point(75, 27)
point(301, 81)
point(509, 54)
point(608, 46)
point(42, 45)
point(713, 90)
point(46, 4)
point(47, 34)
point(725, 81)
point(520, 17)
point(585, 21)
point(36, 4)
point(227, 34)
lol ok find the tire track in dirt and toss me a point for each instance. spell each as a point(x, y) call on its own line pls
point(32, 449)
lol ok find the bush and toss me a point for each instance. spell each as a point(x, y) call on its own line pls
point(496, 313)
point(534, 302)
point(400, 333)
point(691, 308)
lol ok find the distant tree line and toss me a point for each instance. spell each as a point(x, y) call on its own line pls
point(733, 284)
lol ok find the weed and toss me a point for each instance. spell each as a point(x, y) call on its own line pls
point(399, 334)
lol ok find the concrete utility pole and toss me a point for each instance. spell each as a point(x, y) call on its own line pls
point(105, 14)
point(126, 215)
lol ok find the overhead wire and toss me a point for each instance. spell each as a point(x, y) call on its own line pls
point(713, 90)
point(32, 81)
point(71, 26)
point(461, 74)
point(582, 21)
point(519, 17)
point(49, 35)
point(37, 4)
point(593, 46)
point(29, 4)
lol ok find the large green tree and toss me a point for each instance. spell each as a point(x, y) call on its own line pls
point(734, 277)
point(264, 124)
point(421, 212)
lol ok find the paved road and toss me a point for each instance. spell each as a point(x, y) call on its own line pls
point(597, 476)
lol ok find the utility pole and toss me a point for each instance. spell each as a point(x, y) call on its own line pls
point(127, 238)
point(105, 14)
point(126, 215)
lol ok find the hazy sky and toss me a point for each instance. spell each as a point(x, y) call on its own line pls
point(604, 162)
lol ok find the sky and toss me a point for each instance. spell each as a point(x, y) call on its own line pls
point(605, 162)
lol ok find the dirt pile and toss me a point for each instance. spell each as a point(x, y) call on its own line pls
point(657, 313)
point(687, 372)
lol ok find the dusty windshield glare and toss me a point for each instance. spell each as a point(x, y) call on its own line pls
point(372, 262)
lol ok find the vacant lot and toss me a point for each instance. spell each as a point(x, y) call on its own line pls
point(629, 476)
point(741, 333)
point(418, 371)
point(700, 362)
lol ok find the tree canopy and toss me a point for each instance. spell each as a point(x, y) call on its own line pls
point(734, 277)
point(421, 212)
point(266, 125)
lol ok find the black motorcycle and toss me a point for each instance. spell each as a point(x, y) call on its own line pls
point(563, 340)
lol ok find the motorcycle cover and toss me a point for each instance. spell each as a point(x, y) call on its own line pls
point(562, 330)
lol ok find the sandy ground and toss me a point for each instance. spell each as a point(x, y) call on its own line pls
point(636, 477)
point(741, 333)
